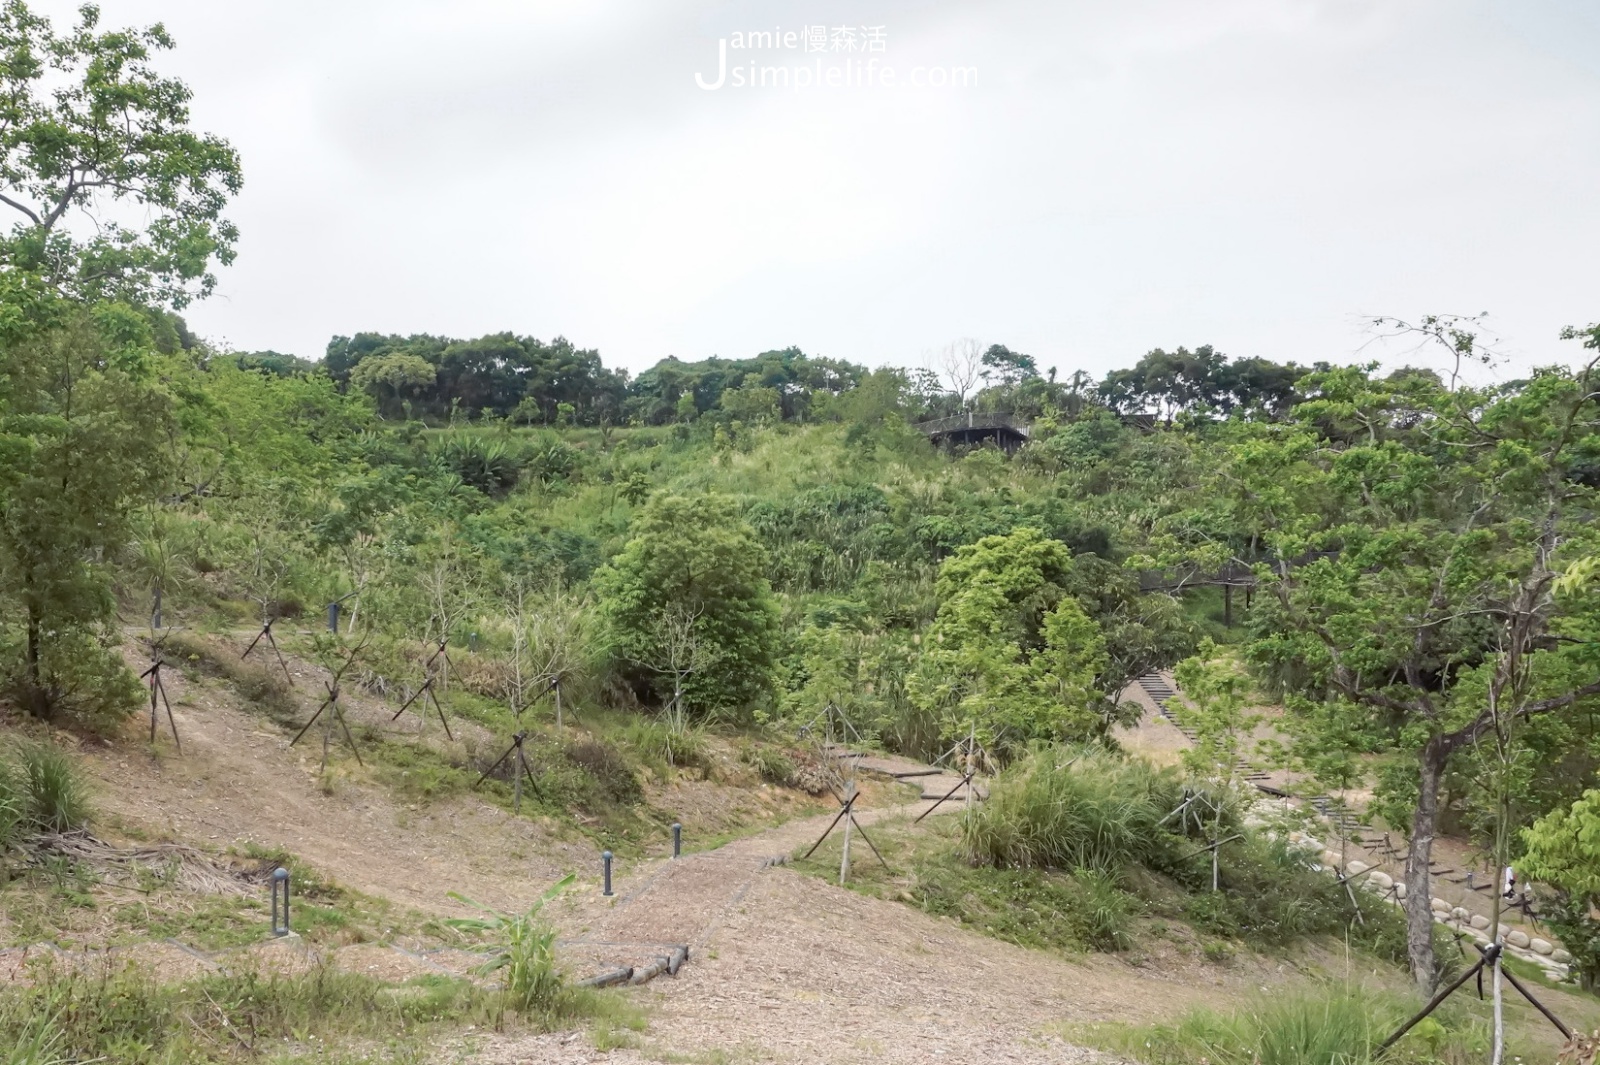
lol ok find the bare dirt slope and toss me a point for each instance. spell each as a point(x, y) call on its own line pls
point(239, 782)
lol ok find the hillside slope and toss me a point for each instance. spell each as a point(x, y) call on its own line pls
point(784, 967)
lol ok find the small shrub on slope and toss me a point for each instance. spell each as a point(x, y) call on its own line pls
point(1061, 809)
point(525, 951)
point(56, 799)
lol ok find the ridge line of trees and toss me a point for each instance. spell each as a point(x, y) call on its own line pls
point(529, 381)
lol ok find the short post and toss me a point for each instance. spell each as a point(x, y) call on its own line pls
point(605, 861)
point(280, 889)
point(677, 839)
point(333, 617)
point(849, 819)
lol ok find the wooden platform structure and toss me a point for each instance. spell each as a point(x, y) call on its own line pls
point(1235, 574)
point(1006, 431)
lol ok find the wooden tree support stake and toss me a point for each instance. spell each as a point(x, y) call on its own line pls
point(159, 689)
point(966, 782)
point(266, 631)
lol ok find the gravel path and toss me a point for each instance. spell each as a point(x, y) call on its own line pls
point(787, 968)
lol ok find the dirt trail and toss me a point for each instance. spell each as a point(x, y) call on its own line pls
point(785, 968)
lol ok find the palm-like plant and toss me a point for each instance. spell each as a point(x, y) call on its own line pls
point(524, 949)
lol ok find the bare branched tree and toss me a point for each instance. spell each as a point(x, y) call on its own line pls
point(451, 594)
point(681, 654)
point(514, 688)
point(960, 367)
point(550, 639)
point(559, 635)
point(268, 558)
point(1464, 337)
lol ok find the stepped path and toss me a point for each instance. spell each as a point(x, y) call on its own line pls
point(1461, 888)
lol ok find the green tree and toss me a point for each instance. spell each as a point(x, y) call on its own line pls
point(90, 133)
point(1563, 851)
point(83, 434)
point(1218, 692)
point(691, 558)
point(1011, 654)
point(1218, 699)
point(1005, 368)
point(751, 403)
point(86, 123)
point(1416, 536)
point(391, 378)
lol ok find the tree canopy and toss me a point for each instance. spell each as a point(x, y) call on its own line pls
point(693, 563)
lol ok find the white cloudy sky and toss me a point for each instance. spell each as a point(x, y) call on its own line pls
point(1255, 174)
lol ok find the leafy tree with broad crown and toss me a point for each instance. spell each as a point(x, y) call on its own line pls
point(1007, 368)
point(1011, 653)
point(1410, 539)
point(391, 378)
point(86, 125)
point(89, 132)
point(692, 557)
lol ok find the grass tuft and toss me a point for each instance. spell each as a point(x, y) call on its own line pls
point(1332, 1025)
point(1060, 809)
point(55, 798)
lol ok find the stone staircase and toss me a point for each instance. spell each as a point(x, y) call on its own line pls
point(936, 783)
point(1163, 695)
point(1378, 847)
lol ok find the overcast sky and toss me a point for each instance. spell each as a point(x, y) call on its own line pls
point(1254, 174)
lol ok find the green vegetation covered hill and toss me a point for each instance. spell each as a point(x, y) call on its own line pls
point(749, 542)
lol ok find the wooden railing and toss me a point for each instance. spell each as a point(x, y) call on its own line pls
point(974, 420)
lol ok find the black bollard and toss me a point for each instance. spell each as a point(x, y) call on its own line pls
point(605, 859)
point(677, 839)
point(280, 887)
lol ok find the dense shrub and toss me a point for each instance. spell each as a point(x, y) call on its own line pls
point(491, 466)
point(1065, 809)
point(125, 1017)
point(13, 807)
point(658, 744)
point(524, 951)
point(772, 764)
point(85, 680)
point(1029, 907)
point(259, 679)
point(41, 790)
point(609, 768)
point(686, 603)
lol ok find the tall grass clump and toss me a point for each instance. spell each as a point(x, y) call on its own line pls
point(656, 740)
point(41, 1042)
point(1330, 1025)
point(1060, 808)
point(1271, 896)
point(13, 807)
point(525, 951)
point(55, 795)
